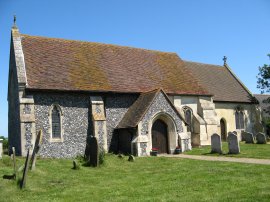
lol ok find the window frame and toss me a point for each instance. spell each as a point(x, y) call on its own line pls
point(185, 110)
point(239, 118)
point(61, 138)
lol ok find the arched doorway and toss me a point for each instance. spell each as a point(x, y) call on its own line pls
point(223, 129)
point(160, 136)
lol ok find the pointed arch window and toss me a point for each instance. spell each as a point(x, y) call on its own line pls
point(55, 117)
point(239, 118)
point(188, 118)
point(56, 123)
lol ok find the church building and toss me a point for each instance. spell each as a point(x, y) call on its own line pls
point(132, 100)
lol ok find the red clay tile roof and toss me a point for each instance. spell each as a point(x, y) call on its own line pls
point(58, 64)
point(220, 82)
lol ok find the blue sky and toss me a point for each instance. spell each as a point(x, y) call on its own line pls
point(198, 30)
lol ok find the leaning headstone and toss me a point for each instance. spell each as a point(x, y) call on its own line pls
point(249, 138)
point(261, 138)
point(233, 144)
point(1, 148)
point(93, 151)
point(14, 161)
point(25, 171)
point(216, 146)
point(36, 150)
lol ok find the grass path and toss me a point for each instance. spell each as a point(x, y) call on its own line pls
point(258, 151)
point(220, 158)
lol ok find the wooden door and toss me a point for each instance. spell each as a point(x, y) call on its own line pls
point(223, 130)
point(160, 136)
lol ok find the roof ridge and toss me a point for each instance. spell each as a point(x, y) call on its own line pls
point(200, 63)
point(97, 43)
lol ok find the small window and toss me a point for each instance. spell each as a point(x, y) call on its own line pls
point(56, 123)
point(239, 120)
point(188, 118)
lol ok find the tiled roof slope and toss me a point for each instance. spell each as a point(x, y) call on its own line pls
point(58, 64)
point(137, 110)
point(220, 82)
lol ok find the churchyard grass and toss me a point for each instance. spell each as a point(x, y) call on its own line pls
point(145, 179)
point(260, 151)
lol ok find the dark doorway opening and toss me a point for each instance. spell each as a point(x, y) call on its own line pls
point(160, 136)
point(223, 130)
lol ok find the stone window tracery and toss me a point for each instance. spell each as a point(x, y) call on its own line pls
point(239, 118)
point(56, 123)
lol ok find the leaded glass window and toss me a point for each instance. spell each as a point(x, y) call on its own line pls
point(188, 118)
point(56, 123)
point(239, 120)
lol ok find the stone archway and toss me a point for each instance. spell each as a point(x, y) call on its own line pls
point(172, 133)
point(223, 129)
point(160, 136)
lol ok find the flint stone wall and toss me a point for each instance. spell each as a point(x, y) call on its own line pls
point(13, 108)
point(116, 105)
point(76, 121)
point(160, 104)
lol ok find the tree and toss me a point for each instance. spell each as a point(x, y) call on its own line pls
point(263, 82)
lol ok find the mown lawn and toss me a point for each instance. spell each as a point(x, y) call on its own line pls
point(260, 151)
point(146, 179)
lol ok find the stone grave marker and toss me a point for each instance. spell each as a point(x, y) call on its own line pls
point(1, 148)
point(14, 160)
point(261, 138)
point(249, 138)
point(131, 158)
point(216, 146)
point(36, 150)
point(93, 151)
point(233, 144)
point(25, 171)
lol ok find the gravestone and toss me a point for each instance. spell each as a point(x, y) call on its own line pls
point(216, 146)
point(233, 144)
point(93, 151)
point(131, 158)
point(36, 150)
point(25, 171)
point(1, 148)
point(14, 161)
point(249, 138)
point(261, 138)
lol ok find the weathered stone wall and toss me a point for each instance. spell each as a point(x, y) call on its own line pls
point(75, 123)
point(116, 106)
point(13, 107)
point(227, 112)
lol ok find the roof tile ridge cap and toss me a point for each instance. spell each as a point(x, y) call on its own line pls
point(200, 63)
point(237, 79)
point(98, 43)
